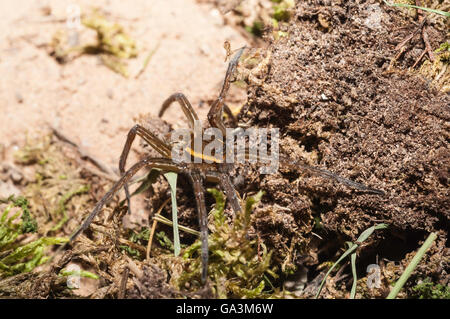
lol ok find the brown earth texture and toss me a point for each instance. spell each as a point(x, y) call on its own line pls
point(348, 94)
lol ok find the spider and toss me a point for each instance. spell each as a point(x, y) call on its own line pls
point(217, 171)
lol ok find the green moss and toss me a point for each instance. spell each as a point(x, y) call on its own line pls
point(112, 38)
point(62, 204)
point(130, 251)
point(429, 290)
point(141, 238)
point(164, 241)
point(281, 11)
point(142, 235)
point(256, 28)
point(439, 71)
point(29, 224)
point(443, 47)
point(16, 257)
point(236, 266)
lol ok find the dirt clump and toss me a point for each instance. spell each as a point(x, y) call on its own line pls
point(341, 105)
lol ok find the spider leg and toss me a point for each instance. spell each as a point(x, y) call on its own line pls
point(223, 178)
point(216, 110)
point(152, 140)
point(199, 192)
point(168, 165)
point(229, 191)
point(230, 72)
point(327, 174)
point(162, 163)
point(296, 164)
point(185, 106)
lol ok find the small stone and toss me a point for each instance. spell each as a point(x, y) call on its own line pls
point(16, 177)
point(19, 97)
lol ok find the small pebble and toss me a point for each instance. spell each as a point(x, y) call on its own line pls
point(16, 177)
point(19, 97)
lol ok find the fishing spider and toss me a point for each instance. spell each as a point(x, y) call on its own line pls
point(218, 171)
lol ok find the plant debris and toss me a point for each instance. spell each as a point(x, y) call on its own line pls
point(113, 44)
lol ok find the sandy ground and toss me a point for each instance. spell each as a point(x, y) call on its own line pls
point(88, 102)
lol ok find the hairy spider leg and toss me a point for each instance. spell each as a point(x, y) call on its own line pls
point(296, 164)
point(185, 106)
point(327, 174)
point(161, 147)
point(161, 163)
point(216, 111)
point(224, 180)
point(199, 193)
point(188, 110)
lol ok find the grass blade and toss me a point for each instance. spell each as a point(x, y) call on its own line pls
point(444, 13)
point(364, 235)
point(172, 179)
point(168, 222)
point(349, 251)
point(355, 278)
point(412, 265)
point(147, 182)
point(147, 60)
